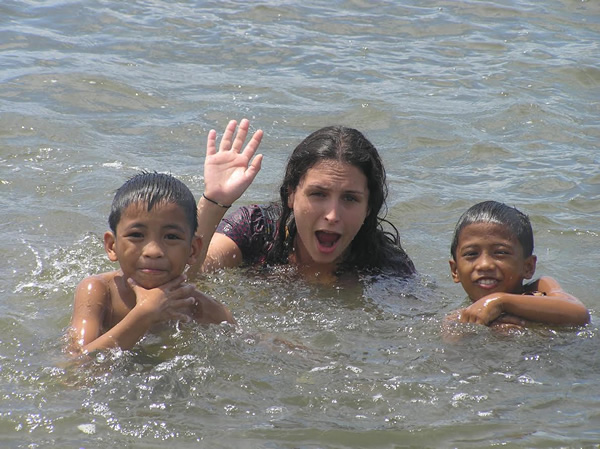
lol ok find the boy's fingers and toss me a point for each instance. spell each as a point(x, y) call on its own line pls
point(182, 317)
point(174, 284)
point(182, 303)
point(182, 292)
point(134, 285)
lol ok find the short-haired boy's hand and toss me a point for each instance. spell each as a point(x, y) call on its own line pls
point(171, 301)
point(208, 310)
point(482, 311)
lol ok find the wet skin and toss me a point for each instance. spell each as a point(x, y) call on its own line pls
point(330, 205)
point(152, 247)
point(490, 260)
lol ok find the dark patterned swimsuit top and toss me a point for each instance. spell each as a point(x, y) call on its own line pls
point(253, 229)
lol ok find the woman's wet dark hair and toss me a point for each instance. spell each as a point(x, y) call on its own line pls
point(152, 189)
point(515, 221)
point(371, 247)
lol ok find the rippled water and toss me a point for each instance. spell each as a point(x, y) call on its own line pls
point(466, 101)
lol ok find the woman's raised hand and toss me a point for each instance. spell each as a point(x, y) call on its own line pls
point(229, 170)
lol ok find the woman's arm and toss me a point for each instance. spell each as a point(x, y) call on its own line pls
point(222, 253)
point(551, 306)
point(227, 174)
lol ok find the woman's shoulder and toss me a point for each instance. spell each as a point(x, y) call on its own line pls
point(394, 260)
point(253, 229)
point(254, 217)
point(254, 212)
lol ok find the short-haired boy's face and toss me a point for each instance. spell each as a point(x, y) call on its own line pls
point(152, 247)
point(489, 260)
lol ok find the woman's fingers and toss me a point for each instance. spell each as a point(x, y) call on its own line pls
point(253, 144)
point(211, 143)
point(240, 137)
point(226, 140)
point(228, 143)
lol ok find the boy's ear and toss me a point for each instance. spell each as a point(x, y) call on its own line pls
point(529, 267)
point(196, 248)
point(109, 246)
point(454, 271)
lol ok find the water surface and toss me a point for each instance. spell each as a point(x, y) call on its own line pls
point(466, 101)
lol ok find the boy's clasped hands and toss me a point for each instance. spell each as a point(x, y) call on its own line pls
point(173, 301)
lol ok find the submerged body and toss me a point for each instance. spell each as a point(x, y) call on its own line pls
point(327, 218)
point(492, 254)
point(153, 242)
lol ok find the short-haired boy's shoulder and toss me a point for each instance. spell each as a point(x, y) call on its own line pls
point(96, 284)
point(548, 284)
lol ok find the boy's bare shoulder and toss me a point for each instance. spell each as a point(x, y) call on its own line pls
point(97, 285)
point(542, 286)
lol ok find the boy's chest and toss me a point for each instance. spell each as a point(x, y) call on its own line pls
point(120, 305)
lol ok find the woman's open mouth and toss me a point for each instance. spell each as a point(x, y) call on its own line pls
point(327, 240)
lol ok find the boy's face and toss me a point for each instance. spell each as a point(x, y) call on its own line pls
point(489, 260)
point(152, 247)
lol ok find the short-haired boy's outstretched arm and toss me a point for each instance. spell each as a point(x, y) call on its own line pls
point(207, 310)
point(543, 302)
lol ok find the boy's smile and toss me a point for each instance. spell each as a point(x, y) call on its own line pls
point(490, 260)
point(152, 247)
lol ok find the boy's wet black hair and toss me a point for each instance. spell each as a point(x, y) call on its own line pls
point(515, 221)
point(151, 189)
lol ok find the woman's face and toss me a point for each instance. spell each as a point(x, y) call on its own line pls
point(330, 205)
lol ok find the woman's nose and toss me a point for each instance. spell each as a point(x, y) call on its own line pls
point(333, 213)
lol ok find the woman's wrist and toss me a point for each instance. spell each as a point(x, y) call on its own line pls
point(215, 202)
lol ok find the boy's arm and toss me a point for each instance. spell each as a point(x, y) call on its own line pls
point(228, 172)
point(449, 329)
point(169, 302)
point(551, 306)
point(91, 303)
point(208, 310)
point(125, 334)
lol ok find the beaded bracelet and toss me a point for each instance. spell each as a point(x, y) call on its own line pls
point(215, 202)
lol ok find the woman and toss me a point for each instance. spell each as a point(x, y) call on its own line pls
point(327, 221)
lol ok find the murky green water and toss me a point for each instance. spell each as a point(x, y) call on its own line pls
point(466, 101)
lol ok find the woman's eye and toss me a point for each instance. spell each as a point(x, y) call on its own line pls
point(351, 198)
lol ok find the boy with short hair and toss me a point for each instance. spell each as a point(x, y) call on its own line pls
point(492, 253)
point(153, 223)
